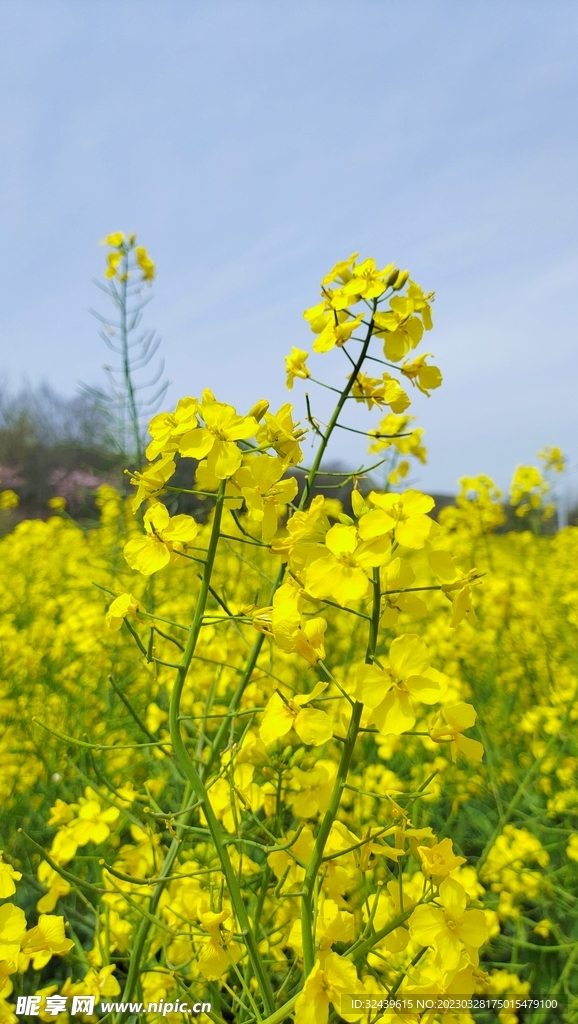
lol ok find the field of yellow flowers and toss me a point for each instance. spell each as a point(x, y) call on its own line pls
point(285, 760)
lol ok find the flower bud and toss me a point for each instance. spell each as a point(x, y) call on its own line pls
point(358, 504)
point(116, 239)
point(297, 757)
point(401, 279)
point(259, 409)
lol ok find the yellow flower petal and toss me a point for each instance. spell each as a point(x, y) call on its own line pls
point(313, 726)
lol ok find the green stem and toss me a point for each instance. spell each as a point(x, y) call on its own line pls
point(145, 925)
point(282, 1013)
point(316, 860)
point(215, 752)
point(128, 382)
point(190, 771)
point(131, 710)
point(67, 875)
point(358, 951)
point(310, 480)
point(521, 790)
point(393, 990)
point(322, 835)
point(336, 414)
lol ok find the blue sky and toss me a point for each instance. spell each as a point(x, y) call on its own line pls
point(251, 144)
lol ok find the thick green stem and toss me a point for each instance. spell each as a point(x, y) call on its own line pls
point(190, 771)
point(307, 933)
point(322, 835)
point(195, 786)
point(348, 748)
point(358, 951)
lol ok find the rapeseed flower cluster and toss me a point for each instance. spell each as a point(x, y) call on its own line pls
point(262, 739)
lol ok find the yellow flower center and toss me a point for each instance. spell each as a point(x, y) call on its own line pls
point(397, 512)
point(347, 559)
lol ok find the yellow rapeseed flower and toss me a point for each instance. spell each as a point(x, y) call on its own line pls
point(281, 715)
point(145, 263)
point(449, 928)
point(449, 725)
point(217, 440)
point(278, 431)
point(7, 878)
point(46, 939)
point(422, 375)
point(403, 514)
point(330, 979)
point(439, 860)
point(390, 691)
point(122, 607)
point(266, 494)
point(163, 536)
point(342, 572)
point(380, 392)
point(336, 333)
point(295, 366)
point(12, 931)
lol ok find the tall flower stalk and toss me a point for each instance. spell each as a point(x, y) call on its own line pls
point(260, 773)
point(128, 269)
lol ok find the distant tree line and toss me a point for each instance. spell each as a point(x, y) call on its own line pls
point(52, 445)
